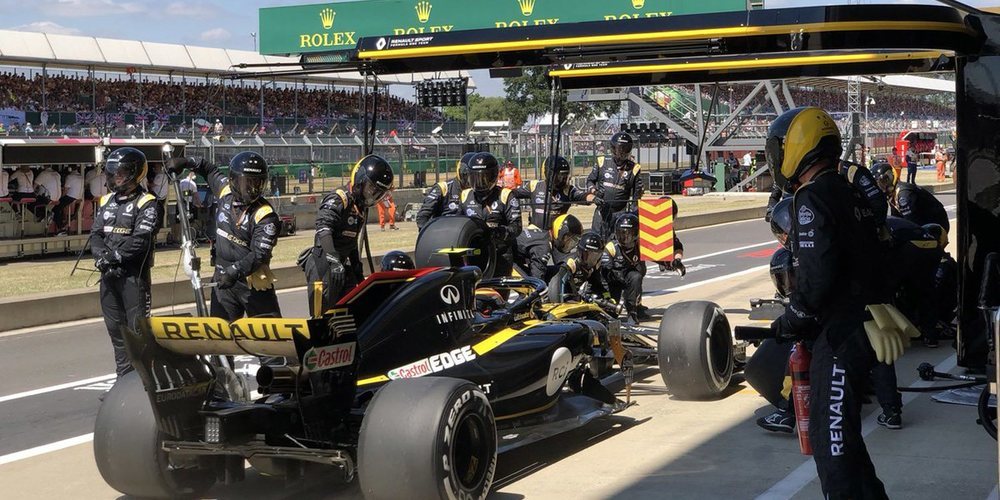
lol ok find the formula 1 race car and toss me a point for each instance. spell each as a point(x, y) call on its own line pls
point(409, 381)
point(694, 345)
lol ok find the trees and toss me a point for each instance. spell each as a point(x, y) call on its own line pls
point(529, 94)
point(480, 108)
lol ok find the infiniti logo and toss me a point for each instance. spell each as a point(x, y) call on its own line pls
point(449, 294)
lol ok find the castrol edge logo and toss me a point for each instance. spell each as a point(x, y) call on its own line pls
point(433, 364)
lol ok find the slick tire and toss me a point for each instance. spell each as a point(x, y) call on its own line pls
point(127, 448)
point(431, 437)
point(695, 350)
point(455, 232)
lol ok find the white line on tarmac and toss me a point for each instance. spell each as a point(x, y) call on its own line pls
point(731, 250)
point(53, 388)
point(806, 473)
point(718, 278)
point(46, 448)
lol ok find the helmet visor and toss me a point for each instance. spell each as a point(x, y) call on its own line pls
point(589, 257)
point(566, 241)
point(627, 236)
point(247, 188)
point(120, 178)
point(482, 180)
point(621, 150)
point(559, 180)
point(372, 193)
point(773, 153)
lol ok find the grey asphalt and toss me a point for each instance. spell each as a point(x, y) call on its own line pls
point(63, 354)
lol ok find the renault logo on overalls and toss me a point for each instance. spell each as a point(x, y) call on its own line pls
point(449, 294)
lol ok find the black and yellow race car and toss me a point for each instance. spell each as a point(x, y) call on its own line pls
point(415, 381)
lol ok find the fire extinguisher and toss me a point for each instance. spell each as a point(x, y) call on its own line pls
point(798, 366)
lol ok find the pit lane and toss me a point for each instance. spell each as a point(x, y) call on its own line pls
point(662, 447)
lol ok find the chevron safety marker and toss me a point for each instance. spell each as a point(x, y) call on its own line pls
point(656, 229)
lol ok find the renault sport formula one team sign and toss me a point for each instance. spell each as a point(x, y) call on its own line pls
point(337, 26)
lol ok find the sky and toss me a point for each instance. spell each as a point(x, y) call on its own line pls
point(211, 23)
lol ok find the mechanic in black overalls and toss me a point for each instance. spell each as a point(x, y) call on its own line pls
point(333, 265)
point(616, 184)
point(782, 274)
point(534, 243)
point(624, 269)
point(246, 231)
point(837, 247)
point(579, 271)
point(910, 201)
point(921, 207)
point(443, 196)
point(497, 206)
point(121, 242)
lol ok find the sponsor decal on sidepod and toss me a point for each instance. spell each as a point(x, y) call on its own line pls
point(327, 357)
point(433, 364)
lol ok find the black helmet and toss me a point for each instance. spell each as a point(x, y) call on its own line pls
point(621, 146)
point(782, 272)
point(484, 170)
point(247, 176)
point(627, 230)
point(556, 170)
point(885, 177)
point(798, 139)
point(589, 249)
point(781, 221)
point(938, 233)
point(397, 260)
point(462, 170)
point(566, 231)
point(124, 169)
point(371, 179)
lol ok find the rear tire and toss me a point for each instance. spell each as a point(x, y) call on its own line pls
point(431, 437)
point(455, 232)
point(127, 448)
point(695, 350)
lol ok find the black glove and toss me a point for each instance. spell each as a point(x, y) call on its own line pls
point(499, 233)
point(114, 272)
point(598, 201)
point(768, 214)
point(782, 331)
point(177, 165)
point(226, 277)
point(106, 261)
point(337, 272)
point(102, 264)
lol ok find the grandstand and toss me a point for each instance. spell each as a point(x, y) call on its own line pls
point(64, 84)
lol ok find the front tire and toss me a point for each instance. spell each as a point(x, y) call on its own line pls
point(456, 231)
point(127, 448)
point(432, 437)
point(695, 350)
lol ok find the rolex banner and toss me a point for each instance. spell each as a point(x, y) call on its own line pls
point(656, 230)
point(338, 26)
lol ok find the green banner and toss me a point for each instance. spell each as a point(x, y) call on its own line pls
point(338, 26)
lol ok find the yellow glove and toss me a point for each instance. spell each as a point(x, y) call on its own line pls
point(261, 278)
point(888, 332)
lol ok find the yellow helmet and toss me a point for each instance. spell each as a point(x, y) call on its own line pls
point(797, 139)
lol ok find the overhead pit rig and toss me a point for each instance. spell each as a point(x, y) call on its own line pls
point(765, 45)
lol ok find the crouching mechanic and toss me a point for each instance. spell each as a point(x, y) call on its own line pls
point(496, 206)
point(624, 269)
point(534, 244)
point(839, 255)
point(578, 276)
point(121, 242)
point(443, 196)
point(333, 264)
point(910, 201)
point(246, 230)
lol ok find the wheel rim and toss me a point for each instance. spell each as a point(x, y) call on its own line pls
point(719, 356)
point(471, 453)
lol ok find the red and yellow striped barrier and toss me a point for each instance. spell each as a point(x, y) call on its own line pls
point(656, 229)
